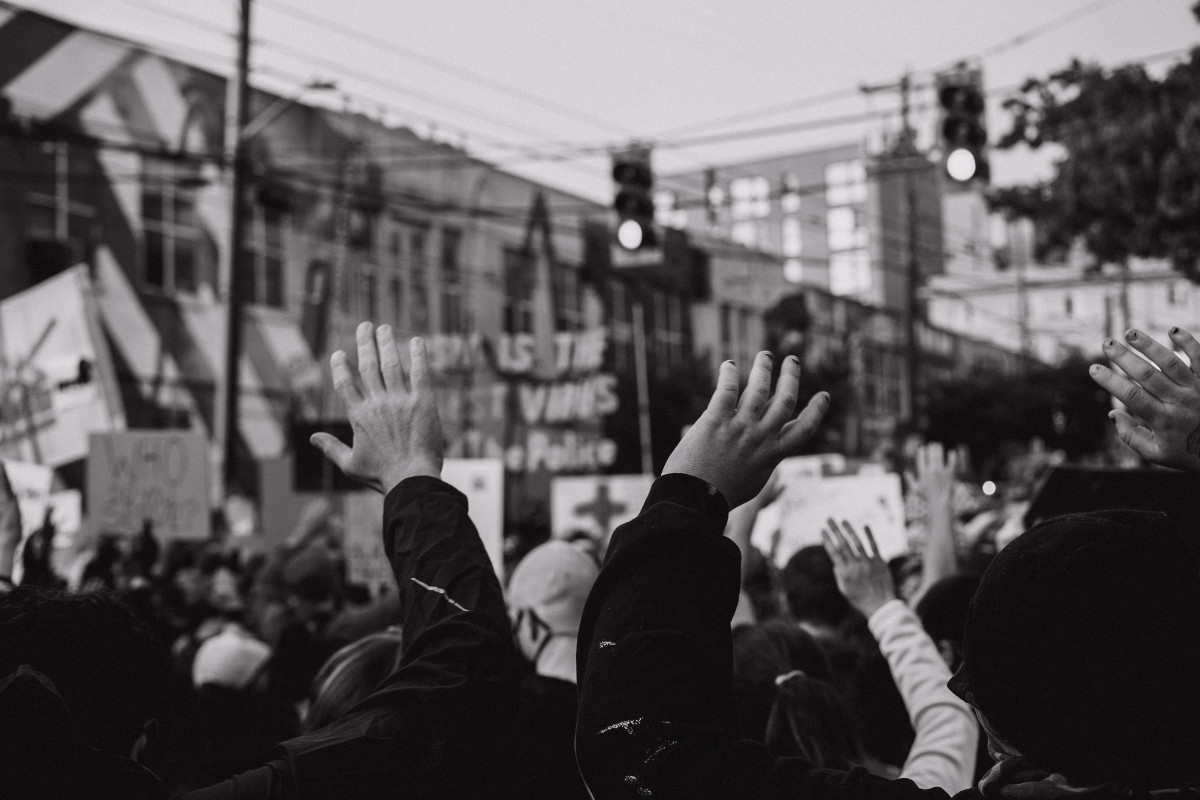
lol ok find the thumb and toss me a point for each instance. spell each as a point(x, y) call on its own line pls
point(332, 448)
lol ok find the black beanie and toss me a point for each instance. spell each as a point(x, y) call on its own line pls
point(1083, 650)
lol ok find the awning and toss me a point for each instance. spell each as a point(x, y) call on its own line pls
point(174, 350)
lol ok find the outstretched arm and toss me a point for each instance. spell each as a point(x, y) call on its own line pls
point(441, 723)
point(935, 480)
point(943, 752)
point(1162, 397)
point(656, 711)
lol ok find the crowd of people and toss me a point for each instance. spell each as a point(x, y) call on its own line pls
point(679, 663)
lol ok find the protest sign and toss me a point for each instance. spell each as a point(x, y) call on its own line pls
point(482, 481)
point(366, 561)
point(808, 501)
point(595, 504)
point(57, 383)
point(159, 475)
point(31, 486)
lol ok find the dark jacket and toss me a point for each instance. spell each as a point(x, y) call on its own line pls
point(657, 716)
point(443, 723)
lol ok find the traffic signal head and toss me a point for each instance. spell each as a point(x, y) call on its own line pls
point(633, 202)
point(963, 132)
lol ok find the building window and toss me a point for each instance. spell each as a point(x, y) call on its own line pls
point(453, 317)
point(750, 198)
point(845, 182)
point(418, 279)
point(850, 272)
point(54, 213)
point(368, 293)
point(519, 282)
point(396, 299)
point(174, 249)
point(793, 245)
point(263, 258)
point(789, 195)
point(843, 229)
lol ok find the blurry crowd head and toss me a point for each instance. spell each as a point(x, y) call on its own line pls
point(351, 674)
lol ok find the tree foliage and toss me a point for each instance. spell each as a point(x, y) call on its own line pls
point(990, 412)
point(1129, 181)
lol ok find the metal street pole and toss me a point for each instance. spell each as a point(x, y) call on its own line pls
point(236, 283)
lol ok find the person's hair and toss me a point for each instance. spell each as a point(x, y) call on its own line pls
point(351, 674)
point(110, 671)
point(811, 588)
point(943, 609)
point(784, 697)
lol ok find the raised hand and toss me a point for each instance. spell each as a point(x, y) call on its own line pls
point(1162, 423)
point(935, 472)
point(736, 443)
point(862, 575)
point(397, 431)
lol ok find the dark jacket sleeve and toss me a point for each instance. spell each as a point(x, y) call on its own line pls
point(441, 724)
point(657, 715)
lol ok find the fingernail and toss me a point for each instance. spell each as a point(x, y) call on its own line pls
point(1112, 415)
point(1094, 369)
point(1174, 330)
point(1109, 343)
point(1131, 335)
point(416, 342)
point(793, 359)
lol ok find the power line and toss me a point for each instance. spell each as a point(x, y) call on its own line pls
point(448, 68)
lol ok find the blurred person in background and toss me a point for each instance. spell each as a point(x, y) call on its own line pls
point(350, 675)
point(546, 594)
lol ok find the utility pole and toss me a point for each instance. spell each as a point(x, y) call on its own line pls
point(905, 156)
point(235, 301)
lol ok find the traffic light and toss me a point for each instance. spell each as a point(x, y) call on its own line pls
point(963, 130)
point(633, 202)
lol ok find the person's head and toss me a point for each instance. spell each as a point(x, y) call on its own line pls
point(811, 588)
point(110, 672)
point(232, 659)
point(1082, 650)
point(546, 595)
point(351, 674)
point(943, 614)
point(313, 582)
point(784, 698)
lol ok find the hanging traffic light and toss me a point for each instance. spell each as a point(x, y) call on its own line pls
point(633, 202)
point(963, 130)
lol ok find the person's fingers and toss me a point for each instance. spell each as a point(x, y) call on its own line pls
point(936, 455)
point(1188, 344)
point(389, 359)
point(833, 548)
point(854, 544)
point(874, 552)
point(1139, 369)
point(952, 462)
point(796, 433)
point(1137, 399)
point(332, 448)
point(343, 381)
point(787, 388)
point(758, 387)
point(1137, 437)
point(418, 372)
point(910, 480)
point(724, 396)
point(368, 359)
point(1163, 357)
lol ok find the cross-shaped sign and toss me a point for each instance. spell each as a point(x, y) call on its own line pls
point(601, 508)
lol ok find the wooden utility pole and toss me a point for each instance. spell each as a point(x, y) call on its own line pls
point(236, 285)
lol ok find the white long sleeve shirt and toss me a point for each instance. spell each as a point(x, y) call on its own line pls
point(943, 752)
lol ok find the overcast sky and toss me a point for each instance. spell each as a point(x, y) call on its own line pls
point(588, 74)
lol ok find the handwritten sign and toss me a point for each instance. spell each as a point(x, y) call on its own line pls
point(482, 481)
point(596, 505)
point(157, 475)
point(366, 562)
point(808, 501)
